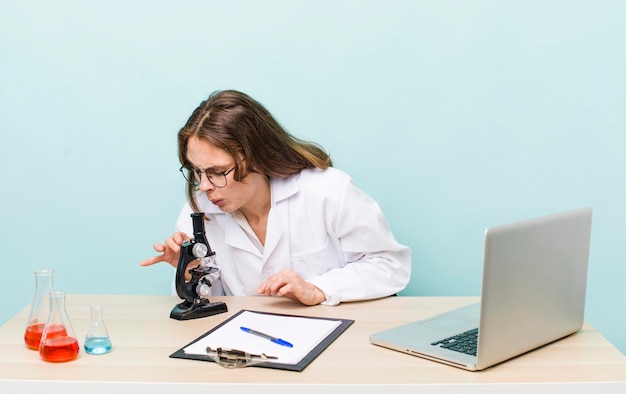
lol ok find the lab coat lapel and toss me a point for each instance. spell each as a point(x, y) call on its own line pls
point(234, 236)
point(276, 240)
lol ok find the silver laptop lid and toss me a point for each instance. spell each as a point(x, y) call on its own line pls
point(534, 284)
point(533, 293)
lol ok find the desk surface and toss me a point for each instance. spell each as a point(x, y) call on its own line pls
point(144, 336)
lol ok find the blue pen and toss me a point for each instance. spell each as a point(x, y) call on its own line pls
point(279, 341)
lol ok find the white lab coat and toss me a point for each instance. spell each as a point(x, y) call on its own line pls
point(322, 227)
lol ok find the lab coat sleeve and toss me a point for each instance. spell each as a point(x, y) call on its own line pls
point(374, 263)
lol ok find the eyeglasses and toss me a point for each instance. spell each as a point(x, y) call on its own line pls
point(194, 176)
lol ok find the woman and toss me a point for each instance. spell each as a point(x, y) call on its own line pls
point(282, 220)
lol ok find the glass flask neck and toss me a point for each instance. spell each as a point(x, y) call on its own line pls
point(57, 301)
point(96, 313)
point(44, 284)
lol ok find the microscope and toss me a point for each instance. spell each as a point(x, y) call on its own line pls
point(195, 292)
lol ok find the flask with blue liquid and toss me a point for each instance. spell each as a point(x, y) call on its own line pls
point(97, 340)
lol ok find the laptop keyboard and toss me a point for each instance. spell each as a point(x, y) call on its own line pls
point(466, 342)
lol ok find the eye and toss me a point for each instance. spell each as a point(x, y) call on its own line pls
point(213, 173)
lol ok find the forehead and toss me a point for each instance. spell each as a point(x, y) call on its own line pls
point(202, 154)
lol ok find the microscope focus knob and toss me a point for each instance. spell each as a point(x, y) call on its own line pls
point(199, 250)
point(204, 290)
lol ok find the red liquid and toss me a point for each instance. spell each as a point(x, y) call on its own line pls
point(59, 349)
point(32, 336)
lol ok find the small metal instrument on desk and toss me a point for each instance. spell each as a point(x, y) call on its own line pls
point(233, 358)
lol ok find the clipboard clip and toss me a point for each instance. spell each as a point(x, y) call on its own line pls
point(234, 358)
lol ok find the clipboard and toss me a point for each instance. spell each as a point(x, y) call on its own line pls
point(328, 338)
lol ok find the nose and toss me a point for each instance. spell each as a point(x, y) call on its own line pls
point(205, 184)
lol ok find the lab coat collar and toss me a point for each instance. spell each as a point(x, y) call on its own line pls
point(278, 219)
point(283, 188)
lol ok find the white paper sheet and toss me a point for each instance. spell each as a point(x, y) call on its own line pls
point(304, 333)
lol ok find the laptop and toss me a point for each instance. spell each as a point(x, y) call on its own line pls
point(533, 293)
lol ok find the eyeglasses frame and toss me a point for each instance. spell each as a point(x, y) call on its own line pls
point(199, 173)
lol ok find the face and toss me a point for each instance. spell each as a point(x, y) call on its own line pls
point(235, 195)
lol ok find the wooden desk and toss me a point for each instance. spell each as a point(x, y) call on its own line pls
point(143, 337)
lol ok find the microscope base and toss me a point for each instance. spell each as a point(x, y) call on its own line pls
point(188, 312)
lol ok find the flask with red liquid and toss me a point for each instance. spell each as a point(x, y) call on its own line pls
point(58, 342)
point(40, 308)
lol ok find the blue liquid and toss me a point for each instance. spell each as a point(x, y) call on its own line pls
point(97, 345)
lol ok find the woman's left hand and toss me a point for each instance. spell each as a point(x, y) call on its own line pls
point(291, 285)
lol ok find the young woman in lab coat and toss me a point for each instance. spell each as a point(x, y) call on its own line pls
point(281, 219)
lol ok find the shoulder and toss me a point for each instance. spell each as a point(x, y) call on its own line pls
point(312, 184)
point(330, 183)
point(328, 177)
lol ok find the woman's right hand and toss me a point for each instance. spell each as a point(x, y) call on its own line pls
point(169, 250)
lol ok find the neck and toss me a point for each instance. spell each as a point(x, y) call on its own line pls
point(257, 210)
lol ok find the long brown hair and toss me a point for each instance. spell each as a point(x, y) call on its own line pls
point(241, 126)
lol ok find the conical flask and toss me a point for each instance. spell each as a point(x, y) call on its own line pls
point(40, 308)
point(58, 342)
point(97, 340)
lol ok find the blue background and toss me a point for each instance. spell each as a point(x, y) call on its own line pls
point(454, 115)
